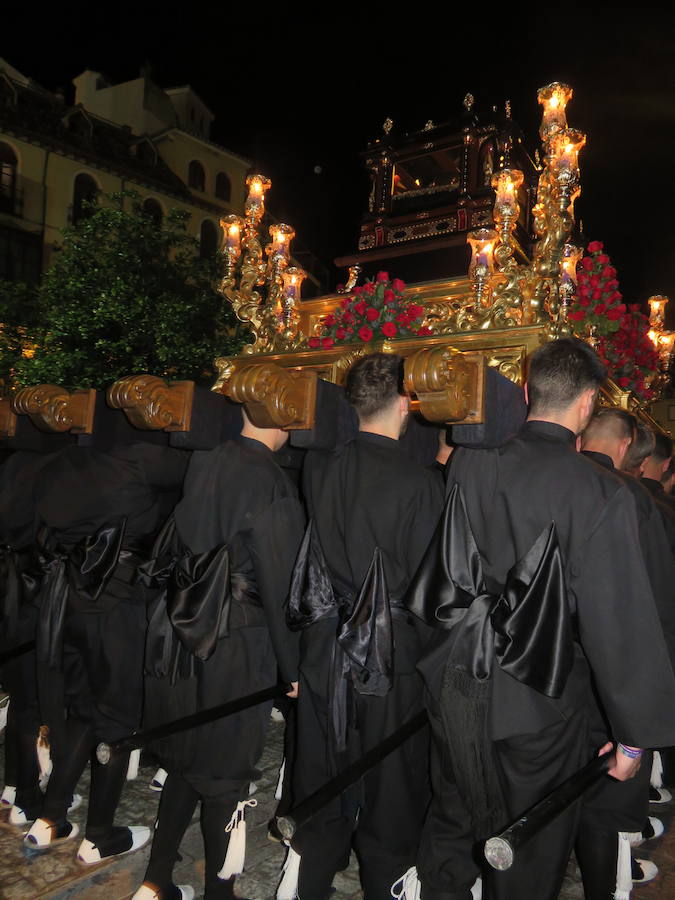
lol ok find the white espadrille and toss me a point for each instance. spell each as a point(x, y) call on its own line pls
point(44, 835)
point(7, 797)
point(644, 870)
point(187, 892)
point(88, 853)
point(157, 783)
point(652, 830)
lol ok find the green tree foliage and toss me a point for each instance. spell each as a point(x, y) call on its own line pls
point(126, 296)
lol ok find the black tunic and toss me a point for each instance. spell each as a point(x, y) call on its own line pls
point(367, 495)
point(235, 496)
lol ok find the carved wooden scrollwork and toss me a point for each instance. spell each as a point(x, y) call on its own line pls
point(53, 408)
point(152, 404)
point(274, 397)
point(449, 385)
point(7, 420)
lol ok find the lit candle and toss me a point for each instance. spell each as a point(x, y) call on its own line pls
point(666, 342)
point(554, 98)
point(281, 235)
point(232, 226)
point(657, 310)
point(565, 148)
point(292, 282)
point(255, 202)
point(506, 183)
point(482, 243)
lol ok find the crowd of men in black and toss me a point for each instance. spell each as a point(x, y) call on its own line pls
point(519, 590)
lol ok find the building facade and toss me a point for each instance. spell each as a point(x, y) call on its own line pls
point(132, 136)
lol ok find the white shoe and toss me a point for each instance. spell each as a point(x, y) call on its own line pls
point(75, 803)
point(88, 853)
point(648, 872)
point(158, 780)
point(147, 893)
point(654, 829)
point(276, 715)
point(18, 817)
point(659, 795)
point(8, 796)
point(252, 788)
point(42, 835)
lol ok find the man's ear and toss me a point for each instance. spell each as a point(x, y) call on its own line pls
point(404, 404)
point(527, 394)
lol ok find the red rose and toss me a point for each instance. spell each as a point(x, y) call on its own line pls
point(372, 314)
point(613, 315)
point(398, 285)
point(340, 334)
point(577, 315)
point(595, 281)
point(424, 331)
point(608, 272)
point(603, 258)
point(595, 247)
point(347, 317)
point(389, 329)
point(599, 309)
point(327, 342)
point(365, 333)
point(389, 296)
point(624, 382)
point(402, 319)
point(344, 303)
point(382, 276)
point(314, 342)
point(415, 310)
point(585, 291)
point(329, 321)
point(621, 308)
point(369, 288)
point(360, 307)
point(596, 295)
point(587, 263)
point(584, 301)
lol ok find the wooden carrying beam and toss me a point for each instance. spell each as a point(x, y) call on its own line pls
point(449, 386)
point(53, 408)
point(152, 404)
point(7, 420)
point(274, 397)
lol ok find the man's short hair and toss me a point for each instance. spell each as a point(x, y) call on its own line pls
point(560, 371)
point(641, 448)
point(663, 447)
point(612, 424)
point(373, 383)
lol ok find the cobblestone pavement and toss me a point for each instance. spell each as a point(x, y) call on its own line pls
point(26, 875)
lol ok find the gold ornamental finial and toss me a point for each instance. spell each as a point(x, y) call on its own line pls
point(468, 102)
point(387, 125)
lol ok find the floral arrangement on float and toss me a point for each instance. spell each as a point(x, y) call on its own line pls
point(376, 310)
point(618, 332)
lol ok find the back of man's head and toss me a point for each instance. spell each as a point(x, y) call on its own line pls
point(610, 431)
point(560, 372)
point(639, 450)
point(658, 461)
point(374, 383)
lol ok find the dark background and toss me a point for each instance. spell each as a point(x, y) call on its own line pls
point(301, 93)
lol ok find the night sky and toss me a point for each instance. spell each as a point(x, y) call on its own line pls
point(301, 95)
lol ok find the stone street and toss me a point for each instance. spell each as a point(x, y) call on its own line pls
point(25, 875)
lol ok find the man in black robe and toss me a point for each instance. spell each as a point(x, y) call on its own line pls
point(365, 496)
point(19, 580)
point(655, 467)
point(238, 506)
point(512, 495)
point(606, 441)
point(99, 511)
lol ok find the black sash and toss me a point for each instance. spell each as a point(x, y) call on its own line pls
point(81, 572)
point(525, 628)
point(362, 655)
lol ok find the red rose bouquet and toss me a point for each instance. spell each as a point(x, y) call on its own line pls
point(374, 310)
point(598, 300)
point(623, 342)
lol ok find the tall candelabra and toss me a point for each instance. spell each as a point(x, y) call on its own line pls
point(273, 314)
point(506, 292)
point(664, 341)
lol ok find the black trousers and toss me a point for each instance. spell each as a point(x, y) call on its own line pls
point(381, 816)
point(18, 677)
point(176, 808)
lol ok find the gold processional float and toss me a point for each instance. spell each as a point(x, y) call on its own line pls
point(504, 310)
point(507, 306)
